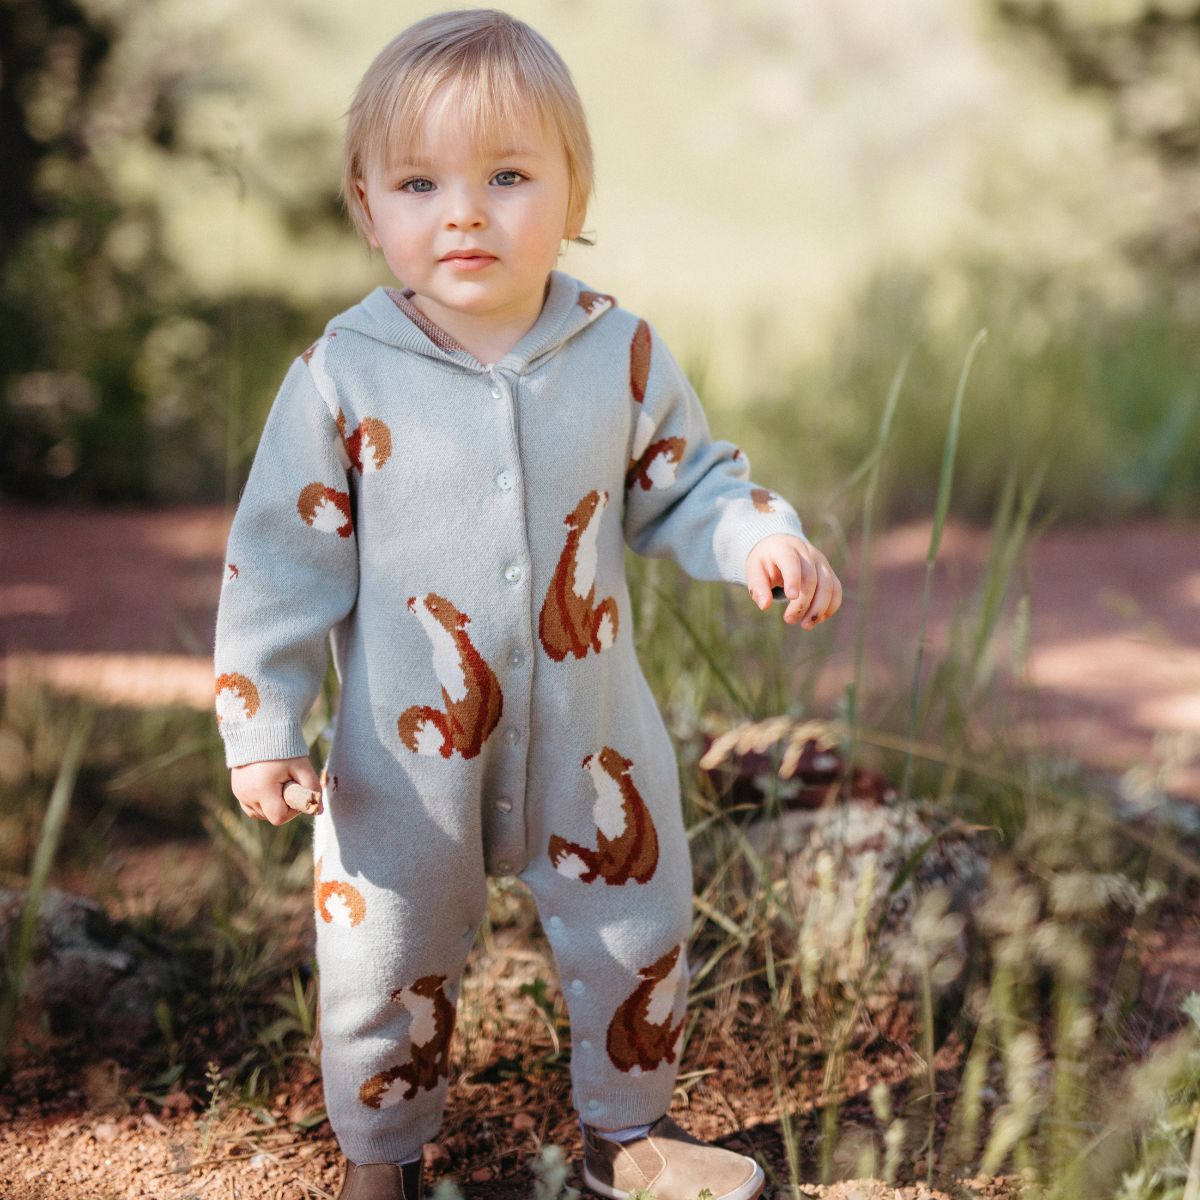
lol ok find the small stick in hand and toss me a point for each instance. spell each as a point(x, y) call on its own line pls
point(300, 798)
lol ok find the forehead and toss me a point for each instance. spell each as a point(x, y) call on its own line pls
point(456, 120)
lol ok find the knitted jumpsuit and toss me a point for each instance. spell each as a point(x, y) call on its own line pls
point(459, 528)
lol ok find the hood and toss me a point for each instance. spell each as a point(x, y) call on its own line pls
point(570, 307)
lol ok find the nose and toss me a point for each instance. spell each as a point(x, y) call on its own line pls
point(464, 209)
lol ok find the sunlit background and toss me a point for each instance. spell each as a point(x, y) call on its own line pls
point(796, 194)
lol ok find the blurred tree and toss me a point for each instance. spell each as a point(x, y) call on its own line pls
point(81, 270)
point(114, 368)
point(1143, 57)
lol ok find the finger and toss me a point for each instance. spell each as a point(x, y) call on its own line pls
point(758, 582)
point(819, 605)
point(799, 579)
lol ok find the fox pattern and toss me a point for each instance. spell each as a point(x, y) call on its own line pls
point(337, 902)
point(658, 465)
point(471, 695)
point(368, 445)
point(236, 697)
point(571, 622)
point(626, 840)
point(429, 1045)
point(326, 508)
point(640, 1034)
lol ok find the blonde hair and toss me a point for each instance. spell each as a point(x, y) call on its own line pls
point(502, 71)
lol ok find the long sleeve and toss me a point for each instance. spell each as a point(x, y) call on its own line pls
point(687, 497)
point(291, 574)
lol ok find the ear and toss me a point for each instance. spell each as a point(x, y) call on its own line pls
point(360, 189)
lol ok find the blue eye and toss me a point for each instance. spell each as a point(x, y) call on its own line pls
point(507, 178)
point(418, 186)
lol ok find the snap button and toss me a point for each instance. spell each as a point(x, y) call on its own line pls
point(512, 735)
point(585, 1044)
point(504, 481)
point(593, 1106)
point(513, 573)
point(495, 393)
point(515, 658)
point(556, 922)
point(504, 866)
point(504, 804)
point(577, 986)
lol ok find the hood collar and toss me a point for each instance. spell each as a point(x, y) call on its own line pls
point(570, 307)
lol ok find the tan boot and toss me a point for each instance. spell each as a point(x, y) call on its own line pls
point(671, 1164)
point(382, 1181)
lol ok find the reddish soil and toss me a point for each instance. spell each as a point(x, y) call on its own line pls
point(120, 605)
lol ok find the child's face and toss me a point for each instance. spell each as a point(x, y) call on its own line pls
point(473, 229)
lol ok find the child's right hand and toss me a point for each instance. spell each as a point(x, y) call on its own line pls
point(259, 787)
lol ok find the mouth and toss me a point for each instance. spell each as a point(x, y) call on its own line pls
point(468, 260)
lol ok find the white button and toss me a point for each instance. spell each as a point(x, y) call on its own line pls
point(512, 736)
point(556, 922)
point(504, 804)
point(504, 866)
point(515, 658)
point(577, 986)
point(513, 573)
point(495, 393)
point(585, 1044)
point(593, 1106)
point(504, 481)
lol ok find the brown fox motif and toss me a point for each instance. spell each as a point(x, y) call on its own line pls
point(640, 1035)
point(326, 508)
point(639, 376)
point(470, 690)
point(595, 303)
point(762, 500)
point(626, 840)
point(337, 902)
point(368, 445)
point(658, 465)
point(429, 1041)
point(571, 622)
point(236, 696)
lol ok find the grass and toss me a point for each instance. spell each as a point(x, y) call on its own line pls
point(1002, 1030)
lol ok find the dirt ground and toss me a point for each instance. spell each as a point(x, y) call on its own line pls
point(120, 605)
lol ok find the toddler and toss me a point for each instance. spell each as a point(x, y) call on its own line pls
point(446, 484)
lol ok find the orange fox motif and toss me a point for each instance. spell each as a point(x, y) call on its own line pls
point(658, 465)
point(640, 1035)
point(762, 500)
point(571, 622)
point(626, 840)
point(326, 508)
point(595, 303)
point(236, 697)
point(429, 1041)
point(233, 571)
point(368, 445)
point(639, 375)
point(470, 690)
point(337, 902)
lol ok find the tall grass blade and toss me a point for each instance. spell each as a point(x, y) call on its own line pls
point(43, 859)
point(939, 521)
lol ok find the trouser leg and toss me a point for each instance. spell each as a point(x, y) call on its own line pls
point(616, 907)
point(395, 918)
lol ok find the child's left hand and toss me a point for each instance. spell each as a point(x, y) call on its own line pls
point(804, 573)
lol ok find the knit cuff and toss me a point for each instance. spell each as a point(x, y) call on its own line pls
point(252, 743)
point(733, 547)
